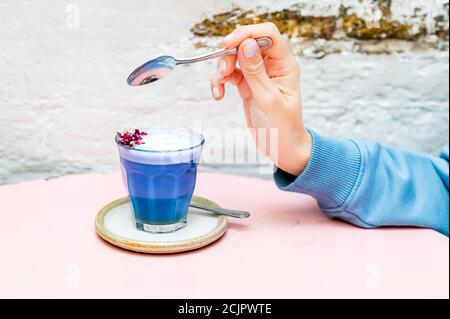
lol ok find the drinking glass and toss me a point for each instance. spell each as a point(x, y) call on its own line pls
point(160, 177)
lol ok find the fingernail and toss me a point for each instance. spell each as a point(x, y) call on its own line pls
point(215, 92)
point(250, 50)
point(229, 37)
point(221, 66)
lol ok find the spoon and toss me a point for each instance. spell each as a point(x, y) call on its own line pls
point(156, 69)
point(222, 211)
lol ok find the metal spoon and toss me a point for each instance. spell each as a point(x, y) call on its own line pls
point(155, 69)
point(222, 211)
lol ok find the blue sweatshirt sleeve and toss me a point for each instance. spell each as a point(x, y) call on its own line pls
point(371, 185)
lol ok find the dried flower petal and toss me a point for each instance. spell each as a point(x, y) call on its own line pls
point(131, 139)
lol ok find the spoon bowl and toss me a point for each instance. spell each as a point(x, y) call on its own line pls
point(152, 71)
point(158, 68)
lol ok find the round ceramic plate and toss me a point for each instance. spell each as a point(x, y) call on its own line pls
point(114, 224)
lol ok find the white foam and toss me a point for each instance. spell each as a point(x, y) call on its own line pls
point(164, 146)
point(169, 140)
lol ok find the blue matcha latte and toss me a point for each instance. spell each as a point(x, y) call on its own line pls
point(160, 177)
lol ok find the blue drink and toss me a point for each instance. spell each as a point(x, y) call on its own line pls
point(160, 177)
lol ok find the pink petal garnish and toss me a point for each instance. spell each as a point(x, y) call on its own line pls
point(131, 139)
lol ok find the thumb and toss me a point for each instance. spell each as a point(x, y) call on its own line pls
point(252, 66)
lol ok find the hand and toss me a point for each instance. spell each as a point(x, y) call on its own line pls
point(269, 85)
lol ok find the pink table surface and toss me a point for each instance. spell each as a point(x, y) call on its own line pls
point(287, 249)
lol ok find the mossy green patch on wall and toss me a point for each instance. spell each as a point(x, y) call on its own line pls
point(356, 27)
point(345, 24)
point(289, 22)
point(378, 28)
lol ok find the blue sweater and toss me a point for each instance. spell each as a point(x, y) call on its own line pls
point(371, 185)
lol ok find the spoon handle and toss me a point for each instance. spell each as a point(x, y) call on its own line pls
point(222, 211)
point(264, 43)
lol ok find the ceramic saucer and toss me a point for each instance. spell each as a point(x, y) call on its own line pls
point(114, 224)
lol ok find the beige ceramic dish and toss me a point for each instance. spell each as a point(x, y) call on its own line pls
point(114, 224)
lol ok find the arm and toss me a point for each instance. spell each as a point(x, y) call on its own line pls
point(370, 185)
point(365, 183)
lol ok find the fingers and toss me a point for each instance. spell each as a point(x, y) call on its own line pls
point(217, 88)
point(236, 78)
point(252, 66)
point(257, 83)
point(279, 49)
point(226, 65)
point(225, 68)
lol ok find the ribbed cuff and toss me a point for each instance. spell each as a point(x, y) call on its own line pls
point(331, 172)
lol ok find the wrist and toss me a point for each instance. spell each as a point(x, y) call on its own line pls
point(295, 160)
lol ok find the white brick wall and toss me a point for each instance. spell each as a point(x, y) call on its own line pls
point(63, 92)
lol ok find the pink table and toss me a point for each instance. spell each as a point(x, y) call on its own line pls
point(287, 249)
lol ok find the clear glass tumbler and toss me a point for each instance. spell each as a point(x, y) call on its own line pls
point(160, 177)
